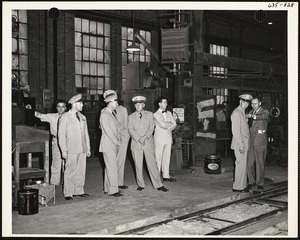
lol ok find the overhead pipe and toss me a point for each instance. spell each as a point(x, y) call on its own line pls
point(151, 50)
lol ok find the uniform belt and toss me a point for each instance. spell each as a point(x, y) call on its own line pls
point(53, 136)
point(261, 131)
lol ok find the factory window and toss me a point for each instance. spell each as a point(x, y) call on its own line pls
point(20, 51)
point(218, 72)
point(92, 56)
point(127, 57)
point(220, 93)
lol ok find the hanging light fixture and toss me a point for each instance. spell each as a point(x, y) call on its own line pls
point(133, 47)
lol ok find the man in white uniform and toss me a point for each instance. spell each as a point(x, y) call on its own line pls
point(52, 119)
point(141, 126)
point(240, 143)
point(74, 142)
point(122, 117)
point(164, 125)
point(110, 143)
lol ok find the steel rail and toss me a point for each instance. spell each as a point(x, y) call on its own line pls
point(277, 190)
point(247, 222)
point(272, 202)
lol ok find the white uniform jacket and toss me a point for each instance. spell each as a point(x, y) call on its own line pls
point(110, 138)
point(164, 125)
point(73, 136)
point(122, 116)
point(141, 127)
point(52, 119)
point(240, 129)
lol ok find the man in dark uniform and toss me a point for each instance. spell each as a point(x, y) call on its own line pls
point(258, 144)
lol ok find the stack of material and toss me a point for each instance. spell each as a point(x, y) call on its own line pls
point(46, 192)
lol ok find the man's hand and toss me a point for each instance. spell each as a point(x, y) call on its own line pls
point(248, 115)
point(64, 155)
point(142, 140)
point(242, 150)
point(88, 153)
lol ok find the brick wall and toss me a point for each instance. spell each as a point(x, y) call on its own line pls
point(116, 60)
point(37, 49)
point(51, 55)
point(65, 63)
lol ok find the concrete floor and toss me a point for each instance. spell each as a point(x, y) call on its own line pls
point(101, 214)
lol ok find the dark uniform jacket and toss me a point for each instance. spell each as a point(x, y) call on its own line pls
point(258, 131)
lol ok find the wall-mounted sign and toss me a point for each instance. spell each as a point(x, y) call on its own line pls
point(175, 45)
point(188, 82)
point(47, 98)
point(206, 122)
point(178, 113)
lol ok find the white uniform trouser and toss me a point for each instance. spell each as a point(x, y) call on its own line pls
point(240, 176)
point(163, 155)
point(151, 165)
point(56, 163)
point(74, 174)
point(111, 173)
point(121, 159)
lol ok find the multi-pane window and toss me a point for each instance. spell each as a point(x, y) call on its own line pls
point(128, 57)
point(92, 55)
point(219, 72)
point(19, 50)
point(220, 93)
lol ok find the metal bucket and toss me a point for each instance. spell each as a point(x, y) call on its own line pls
point(28, 201)
point(212, 164)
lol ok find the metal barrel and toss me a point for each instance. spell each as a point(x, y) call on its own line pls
point(28, 201)
point(212, 164)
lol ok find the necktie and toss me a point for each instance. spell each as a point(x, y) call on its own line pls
point(77, 116)
point(114, 112)
point(250, 121)
point(141, 115)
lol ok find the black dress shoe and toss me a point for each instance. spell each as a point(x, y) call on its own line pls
point(117, 194)
point(242, 191)
point(82, 195)
point(107, 192)
point(140, 188)
point(249, 187)
point(169, 179)
point(68, 198)
point(123, 187)
point(260, 187)
point(163, 189)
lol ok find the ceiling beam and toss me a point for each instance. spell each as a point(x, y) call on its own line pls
point(232, 63)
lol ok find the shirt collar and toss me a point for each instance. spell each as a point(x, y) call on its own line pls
point(72, 112)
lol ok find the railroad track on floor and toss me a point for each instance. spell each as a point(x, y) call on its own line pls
point(270, 199)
